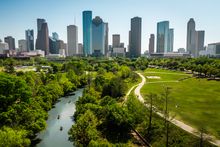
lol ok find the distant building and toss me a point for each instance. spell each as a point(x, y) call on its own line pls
point(72, 40)
point(22, 45)
point(80, 49)
point(118, 52)
point(200, 38)
point(11, 42)
point(87, 32)
point(191, 37)
point(151, 43)
point(29, 35)
point(213, 50)
point(42, 42)
point(135, 38)
point(170, 40)
point(115, 40)
point(181, 50)
point(3, 47)
point(106, 38)
point(98, 37)
point(162, 36)
point(53, 46)
point(55, 36)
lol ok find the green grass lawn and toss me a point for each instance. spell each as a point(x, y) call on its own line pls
point(194, 101)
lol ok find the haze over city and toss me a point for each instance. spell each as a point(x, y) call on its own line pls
point(20, 15)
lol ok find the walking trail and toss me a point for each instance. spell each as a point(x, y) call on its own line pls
point(182, 125)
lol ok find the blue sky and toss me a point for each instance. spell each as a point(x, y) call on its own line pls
point(19, 15)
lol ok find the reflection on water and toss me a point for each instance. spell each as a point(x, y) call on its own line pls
point(60, 116)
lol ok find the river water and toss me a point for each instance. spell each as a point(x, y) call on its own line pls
point(53, 136)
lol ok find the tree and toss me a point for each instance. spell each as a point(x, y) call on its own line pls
point(9, 65)
point(84, 130)
point(13, 138)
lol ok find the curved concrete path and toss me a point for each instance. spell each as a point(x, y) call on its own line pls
point(182, 125)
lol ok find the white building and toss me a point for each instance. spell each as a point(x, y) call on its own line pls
point(118, 52)
point(213, 50)
point(72, 40)
point(3, 47)
point(22, 45)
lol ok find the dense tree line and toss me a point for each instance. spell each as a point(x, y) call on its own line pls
point(25, 98)
point(204, 67)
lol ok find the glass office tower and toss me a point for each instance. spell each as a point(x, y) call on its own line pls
point(29, 34)
point(87, 32)
point(162, 36)
point(98, 36)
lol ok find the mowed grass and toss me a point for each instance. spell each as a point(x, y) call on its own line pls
point(194, 101)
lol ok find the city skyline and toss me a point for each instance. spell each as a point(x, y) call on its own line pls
point(17, 19)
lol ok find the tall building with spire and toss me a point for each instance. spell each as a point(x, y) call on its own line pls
point(87, 32)
point(191, 37)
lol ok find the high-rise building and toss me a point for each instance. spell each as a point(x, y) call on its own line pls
point(22, 45)
point(87, 32)
point(200, 38)
point(151, 43)
point(72, 40)
point(29, 35)
point(135, 44)
point(191, 39)
point(42, 42)
point(11, 42)
point(106, 38)
point(98, 36)
point(162, 36)
point(53, 46)
point(170, 40)
point(115, 40)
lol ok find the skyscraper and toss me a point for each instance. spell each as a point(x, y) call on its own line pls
point(55, 36)
point(200, 38)
point(106, 38)
point(87, 32)
point(151, 43)
point(115, 40)
point(162, 36)
point(42, 41)
point(170, 40)
point(72, 40)
point(191, 39)
point(29, 35)
point(11, 42)
point(98, 36)
point(135, 46)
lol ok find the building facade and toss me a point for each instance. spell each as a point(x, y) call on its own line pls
point(162, 36)
point(115, 40)
point(135, 36)
point(98, 36)
point(11, 42)
point(191, 37)
point(87, 32)
point(200, 38)
point(42, 42)
point(151, 43)
point(29, 35)
point(170, 40)
point(22, 45)
point(72, 40)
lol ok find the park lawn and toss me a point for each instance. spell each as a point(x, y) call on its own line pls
point(194, 101)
